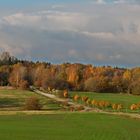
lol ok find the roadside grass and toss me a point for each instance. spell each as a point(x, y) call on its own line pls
point(70, 126)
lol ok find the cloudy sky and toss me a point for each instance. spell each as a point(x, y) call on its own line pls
point(100, 32)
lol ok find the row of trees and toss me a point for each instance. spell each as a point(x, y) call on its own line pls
point(71, 76)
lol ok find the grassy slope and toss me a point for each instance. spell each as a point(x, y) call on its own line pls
point(15, 100)
point(88, 126)
point(125, 99)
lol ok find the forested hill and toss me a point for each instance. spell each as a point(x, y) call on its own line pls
point(79, 77)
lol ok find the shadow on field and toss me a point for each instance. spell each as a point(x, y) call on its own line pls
point(8, 102)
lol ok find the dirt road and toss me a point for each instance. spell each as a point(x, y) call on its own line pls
point(86, 108)
point(69, 102)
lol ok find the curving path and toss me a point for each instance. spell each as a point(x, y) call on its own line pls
point(69, 102)
point(89, 109)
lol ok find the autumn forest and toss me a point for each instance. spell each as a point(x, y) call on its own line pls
point(77, 77)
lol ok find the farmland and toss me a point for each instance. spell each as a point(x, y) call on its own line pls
point(60, 125)
point(70, 126)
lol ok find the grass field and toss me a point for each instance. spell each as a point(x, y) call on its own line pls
point(124, 99)
point(71, 126)
point(15, 100)
point(64, 126)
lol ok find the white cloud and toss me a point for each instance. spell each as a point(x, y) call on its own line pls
point(100, 1)
point(116, 1)
point(101, 35)
point(21, 19)
point(54, 20)
point(94, 33)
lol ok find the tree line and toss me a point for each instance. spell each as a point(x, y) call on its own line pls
point(80, 77)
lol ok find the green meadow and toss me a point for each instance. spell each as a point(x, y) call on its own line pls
point(61, 125)
point(14, 100)
point(125, 99)
point(69, 126)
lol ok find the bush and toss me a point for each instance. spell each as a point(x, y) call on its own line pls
point(24, 84)
point(135, 87)
point(84, 98)
point(65, 94)
point(76, 97)
point(101, 104)
point(120, 106)
point(114, 106)
point(32, 103)
point(88, 102)
point(95, 103)
point(133, 107)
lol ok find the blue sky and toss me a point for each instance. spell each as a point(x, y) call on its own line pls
point(19, 3)
point(26, 2)
point(100, 32)
point(22, 3)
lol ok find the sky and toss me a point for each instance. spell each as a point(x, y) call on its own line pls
point(98, 32)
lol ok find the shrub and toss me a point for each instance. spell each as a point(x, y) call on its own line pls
point(94, 102)
point(88, 102)
point(32, 103)
point(65, 93)
point(114, 106)
point(119, 107)
point(84, 98)
point(138, 105)
point(23, 84)
point(133, 107)
point(76, 97)
point(101, 104)
point(107, 104)
point(135, 87)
